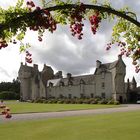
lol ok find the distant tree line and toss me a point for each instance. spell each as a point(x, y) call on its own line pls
point(10, 90)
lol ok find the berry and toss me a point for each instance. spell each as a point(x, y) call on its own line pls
point(28, 58)
point(134, 63)
point(94, 21)
point(76, 25)
point(39, 38)
point(8, 115)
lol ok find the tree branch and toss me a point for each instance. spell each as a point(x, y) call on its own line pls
point(109, 10)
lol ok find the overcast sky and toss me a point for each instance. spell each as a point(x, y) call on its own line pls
point(64, 52)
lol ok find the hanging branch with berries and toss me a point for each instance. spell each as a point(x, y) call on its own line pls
point(15, 21)
point(5, 110)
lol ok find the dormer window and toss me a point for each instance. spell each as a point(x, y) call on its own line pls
point(82, 81)
point(50, 84)
point(61, 83)
point(70, 82)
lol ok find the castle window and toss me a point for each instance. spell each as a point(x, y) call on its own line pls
point(61, 96)
point(103, 75)
point(69, 96)
point(82, 81)
point(61, 83)
point(50, 84)
point(103, 95)
point(70, 82)
point(81, 95)
point(103, 85)
point(92, 95)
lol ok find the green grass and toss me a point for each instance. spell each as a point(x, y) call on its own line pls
point(40, 107)
point(115, 126)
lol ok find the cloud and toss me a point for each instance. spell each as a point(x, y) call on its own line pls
point(64, 52)
point(3, 71)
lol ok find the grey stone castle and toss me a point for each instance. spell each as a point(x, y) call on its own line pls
point(106, 82)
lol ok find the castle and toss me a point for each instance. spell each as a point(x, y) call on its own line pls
point(106, 82)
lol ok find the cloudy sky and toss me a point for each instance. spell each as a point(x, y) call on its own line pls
point(64, 52)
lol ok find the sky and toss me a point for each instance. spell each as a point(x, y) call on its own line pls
point(62, 51)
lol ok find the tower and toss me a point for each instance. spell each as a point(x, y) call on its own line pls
point(133, 84)
point(46, 74)
point(25, 74)
point(118, 74)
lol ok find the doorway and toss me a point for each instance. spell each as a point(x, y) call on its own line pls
point(121, 99)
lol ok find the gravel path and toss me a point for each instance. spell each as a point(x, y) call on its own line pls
point(34, 116)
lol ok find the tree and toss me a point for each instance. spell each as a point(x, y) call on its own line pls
point(10, 90)
point(15, 21)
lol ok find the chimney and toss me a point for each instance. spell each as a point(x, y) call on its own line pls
point(98, 63)
point(36, 66)
point(68, 75)
point(119, 56)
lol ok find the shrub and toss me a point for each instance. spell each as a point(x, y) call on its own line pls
point(93, 102)
point(79, 101)
point(60, 101)
point(9, 95)
point(103, 101)
point(86, 101)
point(110, 102)
point(37, 101)
point(73, 101)
point(67, 101)
point(116, 102)
point(45, 101)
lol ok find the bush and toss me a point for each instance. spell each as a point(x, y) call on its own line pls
point(38, 101)
point(116, 102)
point(73, 101)
point(9, 95)
point(103, 101)
point(86, 101)
point(93, 102)
point(60, 101)
point(110, 102)
point(79, 101)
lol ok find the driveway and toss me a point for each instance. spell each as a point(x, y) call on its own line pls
point(34, 116)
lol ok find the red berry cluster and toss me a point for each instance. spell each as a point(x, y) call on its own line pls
point(123, 50)
point(28, 57)
point(136, 55)
point(42, 18)
point(108, 46)
point(30, 4)
point(76, 25)
point(5, 111)
point(127, 52)
point(137, 69)
point(3, 44)
point(95, 20)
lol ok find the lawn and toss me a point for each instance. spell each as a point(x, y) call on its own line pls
point(23, 107)
point(115, 126)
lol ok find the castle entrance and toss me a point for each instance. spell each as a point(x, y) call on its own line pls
point(121, 99)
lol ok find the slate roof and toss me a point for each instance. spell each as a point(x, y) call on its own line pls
point(76, 80)
point(106, 67)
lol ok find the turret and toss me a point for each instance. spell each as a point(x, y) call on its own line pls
point(46, 74)
point(69, 76)
point(24, 71)
point(133, 84)
point(58, 74)
point(25, 75)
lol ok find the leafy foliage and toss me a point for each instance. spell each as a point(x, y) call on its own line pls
point(15, 21)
